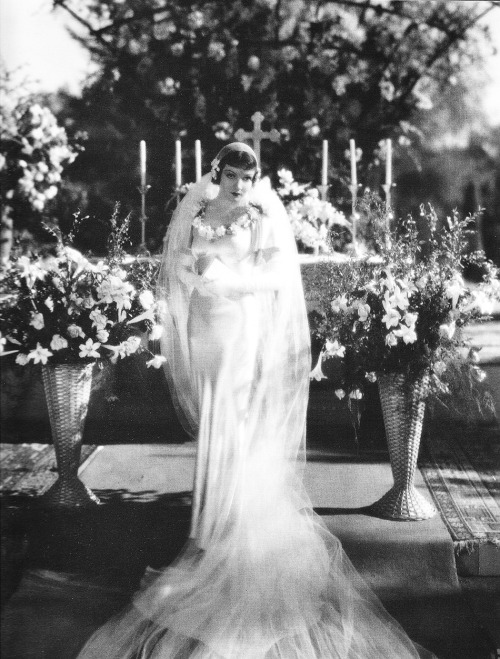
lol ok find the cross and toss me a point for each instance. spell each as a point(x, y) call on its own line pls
point(257, 134)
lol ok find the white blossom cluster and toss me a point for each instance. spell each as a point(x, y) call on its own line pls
point(311, 217)
point(43, 154)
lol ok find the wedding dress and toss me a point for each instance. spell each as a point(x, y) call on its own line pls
point(260, 577)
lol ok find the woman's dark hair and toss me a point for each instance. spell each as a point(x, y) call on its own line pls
point(240, 159)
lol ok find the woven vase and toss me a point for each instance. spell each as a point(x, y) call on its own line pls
point(403, 408)
point(67, 390)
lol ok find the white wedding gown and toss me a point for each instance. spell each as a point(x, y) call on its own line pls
point(261, 577)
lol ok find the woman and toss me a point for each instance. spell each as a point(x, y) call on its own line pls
point(260, 577)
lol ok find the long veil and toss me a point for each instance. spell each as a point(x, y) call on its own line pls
point(267, 580)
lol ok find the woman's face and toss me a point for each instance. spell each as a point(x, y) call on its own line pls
point(236, 183)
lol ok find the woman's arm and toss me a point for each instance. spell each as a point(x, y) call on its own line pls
point(186, 274)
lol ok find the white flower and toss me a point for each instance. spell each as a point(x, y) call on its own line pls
point(454, 290)
point(391, 339)
point(118, 351)
point(421, 282)
point(356, 394)
point(39, 355)
point(410, 319)
point(156, 332)
point(400, 298)
point(340, 393)
point(474, 355)
point(334, 349)
point(49, 303)
point(37, 320)
point(156, 362)
point(371, 376)
point(22, 359)
point(340, 304)
point(89, 349)
point(447, 330)
point(480, 301)
point(98, 319)
point(132, 344)
point(102, 335)
point(317, 372)
point(391, 318)
point(75, 331)
point(114, 289)
point(363, 312)
point(408, 334)
point(479, 374)
point(439, 368)
point(58, 342)
point(147, 299)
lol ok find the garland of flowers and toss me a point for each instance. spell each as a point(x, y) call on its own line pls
point(211, 233)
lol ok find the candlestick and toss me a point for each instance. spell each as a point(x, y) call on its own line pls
point(197, 159)
point(324, 169)
point(388, 163)
point(178, 164)
point(142, 155)
point(354, 178)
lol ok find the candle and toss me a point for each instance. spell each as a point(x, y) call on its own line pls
point(324, 171)
point(142, 154)
point(178, 164)
point(354, 179)
point(197, 159)
point(388, 163)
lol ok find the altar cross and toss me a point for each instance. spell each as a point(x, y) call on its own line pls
point(257, 134)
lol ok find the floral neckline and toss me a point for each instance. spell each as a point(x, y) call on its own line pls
point(211, 233)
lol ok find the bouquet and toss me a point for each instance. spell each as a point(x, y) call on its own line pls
point(58, 307)
point(404, 309)
point(311, 218)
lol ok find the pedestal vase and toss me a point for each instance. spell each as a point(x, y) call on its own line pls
point(403, 408)
point(67, 390)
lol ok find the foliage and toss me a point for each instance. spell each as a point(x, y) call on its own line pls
point(311, 217)
point(58, 307)
point(404, 310)
point(34, 150)
point(316, 70)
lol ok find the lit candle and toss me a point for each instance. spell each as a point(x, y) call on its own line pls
point(197, 159)
point(354, 179)
point(388, 163)
point(178, 164)
point(142, 154)
point(324, 170)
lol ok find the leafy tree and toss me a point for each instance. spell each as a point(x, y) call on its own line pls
point(315, 69)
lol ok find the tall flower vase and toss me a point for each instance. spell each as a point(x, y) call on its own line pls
point(403, 408)
point(67, 390)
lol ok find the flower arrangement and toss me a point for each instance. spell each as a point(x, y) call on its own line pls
point(61, 308)
point(310, 216)
point(403, 310)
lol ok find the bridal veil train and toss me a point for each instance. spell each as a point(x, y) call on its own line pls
point(260, 577)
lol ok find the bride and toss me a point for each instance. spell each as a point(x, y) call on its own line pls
point(260, 576)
